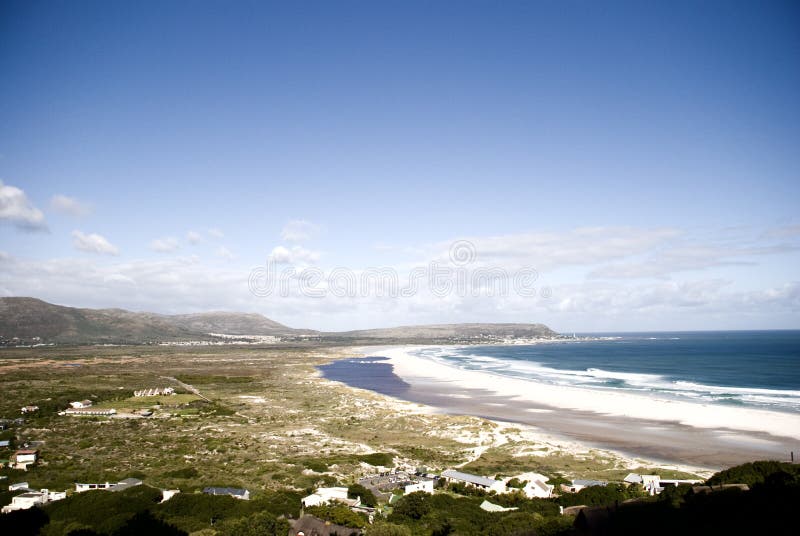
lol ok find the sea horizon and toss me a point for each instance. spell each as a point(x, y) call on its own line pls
point(684, 397)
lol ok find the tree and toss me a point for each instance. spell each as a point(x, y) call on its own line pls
point(260, 524)
point(145, 523)
point(383, 528)
point(23, 522)
point(367, 497)
point(413, 506)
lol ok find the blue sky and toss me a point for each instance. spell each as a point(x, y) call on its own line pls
point(642, 156)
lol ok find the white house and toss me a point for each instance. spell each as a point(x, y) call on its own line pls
point(23, 458)
point(488, 484)
point(236, 493)
point(653, 484)
point(423, 485)
point(81, 404)
point(156, 391)
point(537, 488)
point(29, 499)
point(535, 485)
point(491, 507)
point(94, 412)
point(29, 409)
point(110, 486)
point(167, 494)
point(327, 495)
point(579, 484)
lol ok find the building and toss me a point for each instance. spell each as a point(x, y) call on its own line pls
point(491, 507)
point(109, 486)
point(481, 482)
point(5, 443)
point(157, 391)
point(653, 484)
point(328, 495)
point(31, 498)
point(81, 404)
point(423, 485)
point(167, 494)
point(29, 409)
point(236, 493)
point(24, 457)
point(579, 484)
point(18, 486)
point(537, 488)
point(313, 526)
point(92, 412)
point(535, 485)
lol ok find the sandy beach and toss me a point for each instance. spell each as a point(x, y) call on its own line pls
point(691, 436)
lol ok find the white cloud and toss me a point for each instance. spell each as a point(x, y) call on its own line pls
point(16, 208)
point(69, 205)
point(293, 255)
point(164, 245)
point(194, 237)
point(299, 231)
point(224, 252)
point(93, 243)
point(216, 233)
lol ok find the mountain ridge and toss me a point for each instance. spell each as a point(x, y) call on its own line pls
point(33, 321)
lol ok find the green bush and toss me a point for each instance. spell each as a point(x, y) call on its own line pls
point(377, 459)
point(367, 497)
point(259, 524)
point(340, 515)
point(753, 473)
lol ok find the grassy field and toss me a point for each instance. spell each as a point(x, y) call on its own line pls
point(267, 421)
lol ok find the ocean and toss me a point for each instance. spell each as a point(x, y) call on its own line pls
point(743, 368)
point(759, 369)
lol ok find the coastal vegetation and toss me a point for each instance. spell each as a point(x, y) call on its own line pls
point(681, 510)
point(262, 419)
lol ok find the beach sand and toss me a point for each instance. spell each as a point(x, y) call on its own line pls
point(680, 434)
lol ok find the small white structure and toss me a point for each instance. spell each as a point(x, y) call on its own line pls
point(156, 391)
point(488, 484)
point(29, 409)
point(92, 412)
point(653, 484)
point(81, 404)
point(633, 478)
point(535, 485)
point(167, 494)
point(579, 484)
point(18, 486)
point(491, 507)
point(423, 485)
point(23, 458)
point(110, 486)
point(29, 499)
point(236, 493)
point(327, 495)
point(538, 489)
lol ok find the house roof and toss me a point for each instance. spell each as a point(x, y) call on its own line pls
point(125, 484)
point(633, 478)
point(226, 491)
point(5, 443)
point(310, 525)
point(541, 485)
point(491, 507)
point(472, 479)
point(587, 483)
point(27, 451)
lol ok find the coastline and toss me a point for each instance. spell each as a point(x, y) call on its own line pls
point(690, 437)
